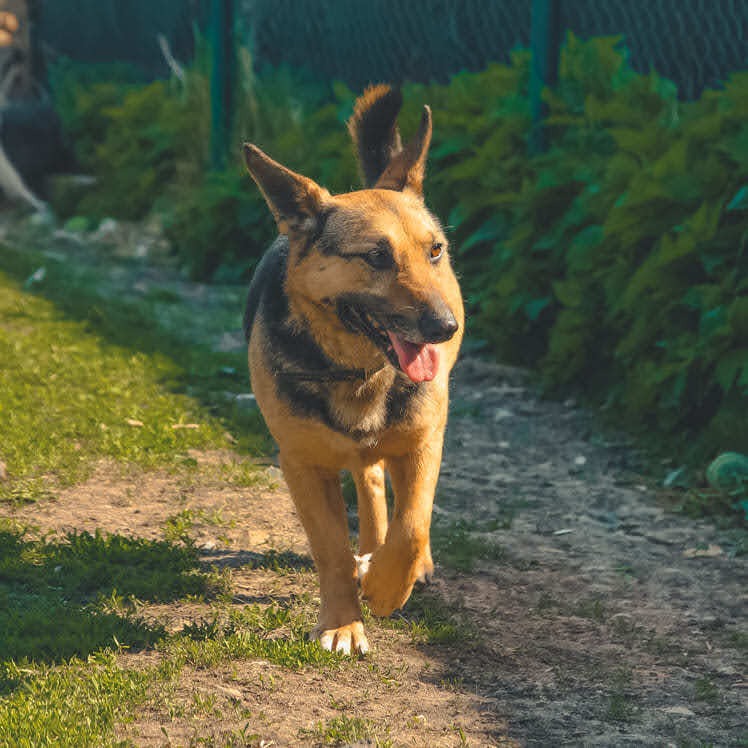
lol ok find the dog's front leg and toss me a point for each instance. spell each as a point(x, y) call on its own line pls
point(319, 503)
point(372, 507)
point(405, 557)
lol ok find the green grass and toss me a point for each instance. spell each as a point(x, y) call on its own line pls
point(706, 690)
point(85, 377)
point(68, 398)
point(457, 545)
point(66, 607)
point(67, 598)
point(621, 706)
point(69, 605)
point(429, 621)
point(77, 705)
point(276, 633)
point(344, 730)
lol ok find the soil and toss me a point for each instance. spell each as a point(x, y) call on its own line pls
point(605, 619)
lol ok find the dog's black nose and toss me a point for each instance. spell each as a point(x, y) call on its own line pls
point(437, 326)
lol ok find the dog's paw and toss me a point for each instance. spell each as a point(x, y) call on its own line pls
point(386, 583)
point(425, 574)
point(362, 565)
point(349, 639)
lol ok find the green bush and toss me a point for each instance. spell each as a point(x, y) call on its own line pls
point(220, 227)
point(82, 94)
point(623, 270)
point(614, 262)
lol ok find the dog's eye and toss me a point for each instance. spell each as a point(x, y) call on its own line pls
point(436, 251)
point(380, 258)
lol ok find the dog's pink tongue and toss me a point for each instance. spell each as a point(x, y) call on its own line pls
point(420, 361)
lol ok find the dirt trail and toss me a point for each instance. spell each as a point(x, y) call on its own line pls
point(610, 620)
point(596, 616)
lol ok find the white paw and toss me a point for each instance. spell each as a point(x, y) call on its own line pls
point(345, 640)
point(362, 565)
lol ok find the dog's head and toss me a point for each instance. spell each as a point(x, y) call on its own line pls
point(376, 258)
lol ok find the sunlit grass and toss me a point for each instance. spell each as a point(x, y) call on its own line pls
point(69, 605)
point(79, 704)
point(83, 377)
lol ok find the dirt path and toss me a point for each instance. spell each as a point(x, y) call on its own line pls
point(592, 616)
point(610, 621)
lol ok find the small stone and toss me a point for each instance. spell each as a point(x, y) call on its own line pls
point(504, 445)
point(36, 277)
point(134, 423)
point(42, 218)
point(675, 478)
point(3, 471)
point(710, 551)
point(501, 414)
point(682, 711)
point(245, 400)
point(108, 230)
point(580, 460)
point(233, 693)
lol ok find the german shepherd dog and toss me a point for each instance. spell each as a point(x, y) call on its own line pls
point(354, 319)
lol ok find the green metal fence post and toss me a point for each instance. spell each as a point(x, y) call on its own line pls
point(545, 43)
point(221, 79)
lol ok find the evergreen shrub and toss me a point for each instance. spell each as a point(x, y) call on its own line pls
point(615, 261)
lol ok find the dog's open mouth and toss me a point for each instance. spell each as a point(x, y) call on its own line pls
point(419, 361)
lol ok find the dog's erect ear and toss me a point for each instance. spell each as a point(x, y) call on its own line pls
point(407, 169)
point(373, 128)
point(292, 198)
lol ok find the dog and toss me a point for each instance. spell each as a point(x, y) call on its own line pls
point(354, 320)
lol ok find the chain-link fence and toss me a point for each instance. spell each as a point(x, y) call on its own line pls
point(695, 43)
point(98, 31)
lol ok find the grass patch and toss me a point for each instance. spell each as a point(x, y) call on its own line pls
point(621, 706)
point(68, 398)
point(739, 640)
point(277, 634)
point(428, 621)
point(706, 690)
point(458, 546)
point(281, 562)
point(67, 598)
point(86, 377)
point(593, 608)
point(77, 705)
point(69, 605)
point(345, 730)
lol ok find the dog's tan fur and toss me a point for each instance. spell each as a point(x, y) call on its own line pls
point(376, 420)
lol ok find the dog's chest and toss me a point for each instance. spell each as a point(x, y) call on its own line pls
point(361, 413)
point(370, 410)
